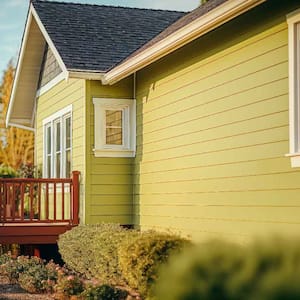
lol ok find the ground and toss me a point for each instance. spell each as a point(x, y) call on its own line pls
point(14, 292)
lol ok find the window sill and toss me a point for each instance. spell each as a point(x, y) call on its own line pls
point(295, 159)
point(113, 153)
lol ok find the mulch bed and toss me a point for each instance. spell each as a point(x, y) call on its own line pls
point(15, 292)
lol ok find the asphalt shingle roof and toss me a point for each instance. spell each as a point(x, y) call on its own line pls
point(183, 21)
point(96, 37)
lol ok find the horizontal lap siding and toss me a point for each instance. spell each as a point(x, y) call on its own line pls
point(109, 180)
point(57, 98)
point(212, 136)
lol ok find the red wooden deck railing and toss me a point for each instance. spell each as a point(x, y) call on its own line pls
point(51, 200)
point(30, 202)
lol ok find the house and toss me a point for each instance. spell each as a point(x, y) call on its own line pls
point(188, 122)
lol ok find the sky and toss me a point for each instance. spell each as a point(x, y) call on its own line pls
point(13, 16)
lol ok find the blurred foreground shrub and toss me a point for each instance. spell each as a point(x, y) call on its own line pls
point(218, 270)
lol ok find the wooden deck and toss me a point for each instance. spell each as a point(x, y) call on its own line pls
point(37, 211)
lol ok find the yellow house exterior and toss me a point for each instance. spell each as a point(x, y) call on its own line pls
point(212, 155)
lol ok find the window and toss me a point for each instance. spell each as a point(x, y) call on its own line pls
point(58, 144)
point(115, 131)
point(293, 20)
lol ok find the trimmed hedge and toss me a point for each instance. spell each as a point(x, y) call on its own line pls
point(92, 250)
point(219, 270)
point(141, 257)
point(118, 256)
point(76, 248)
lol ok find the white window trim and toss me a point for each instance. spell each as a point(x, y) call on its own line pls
point(51, 120)
point(294, 88)
point(56, 80)
point(129, 127)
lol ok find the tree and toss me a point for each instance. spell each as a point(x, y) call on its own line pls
point(16, 148)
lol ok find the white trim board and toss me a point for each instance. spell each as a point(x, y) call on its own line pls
point(60, 77)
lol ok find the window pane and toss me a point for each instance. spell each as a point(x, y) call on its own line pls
point(48, 175)
point(48, 138)
point(58, 162)
point(113, 118)
point(114, 136)
point(57, 130)
point(68, 132)
point(68, 163)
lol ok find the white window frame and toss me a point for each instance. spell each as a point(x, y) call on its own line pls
point(60, 116)
point(293, 21)
point(128, 108)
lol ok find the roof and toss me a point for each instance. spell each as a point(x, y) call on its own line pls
point(183, 21)
point(189, 27)
point(97, 37)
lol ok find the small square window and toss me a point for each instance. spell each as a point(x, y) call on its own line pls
point(115, 131)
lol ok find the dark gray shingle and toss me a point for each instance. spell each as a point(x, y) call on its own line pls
point(96, 37)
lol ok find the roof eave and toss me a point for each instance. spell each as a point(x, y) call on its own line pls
point(32, 14)
point(211, 20)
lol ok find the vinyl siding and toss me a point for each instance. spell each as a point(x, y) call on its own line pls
point(109, 187)
point(212, 136)
point(59, 97)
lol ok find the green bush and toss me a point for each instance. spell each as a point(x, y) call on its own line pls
point(68, 284)
point(141, 257)
point(92, 250)
point(219, 270)
point(38, 277)
point(103, 292)
point(76, 248)
point(7, 172)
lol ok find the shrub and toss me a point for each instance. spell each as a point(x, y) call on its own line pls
point(76, 248)
point(39, 277)
point(141, 257)
point(31, 273)
point(68, 283)
point(219, 270)
point(7, 172)
point(93, 250)
point(104, 292)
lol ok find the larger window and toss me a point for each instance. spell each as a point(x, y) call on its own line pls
point(58, 144)
point(115, 131)
point(293, 20)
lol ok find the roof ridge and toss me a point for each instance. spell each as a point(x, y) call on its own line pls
point(104, 5)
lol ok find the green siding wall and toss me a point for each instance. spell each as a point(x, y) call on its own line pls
point(212, 137)
point(60, 96)
point(109, 180)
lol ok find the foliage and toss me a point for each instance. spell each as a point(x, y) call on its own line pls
point(38, 277)
point(68, 283)
point(14, 267)
point(141, 257)
point(218, 270)
point(17, 148)
point(104, 292)
point(106, 245)
point(7, 172)
point(76, 248)
point(28, 170)
point(92, 250)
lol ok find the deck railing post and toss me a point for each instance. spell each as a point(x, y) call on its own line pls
point(75, 196)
